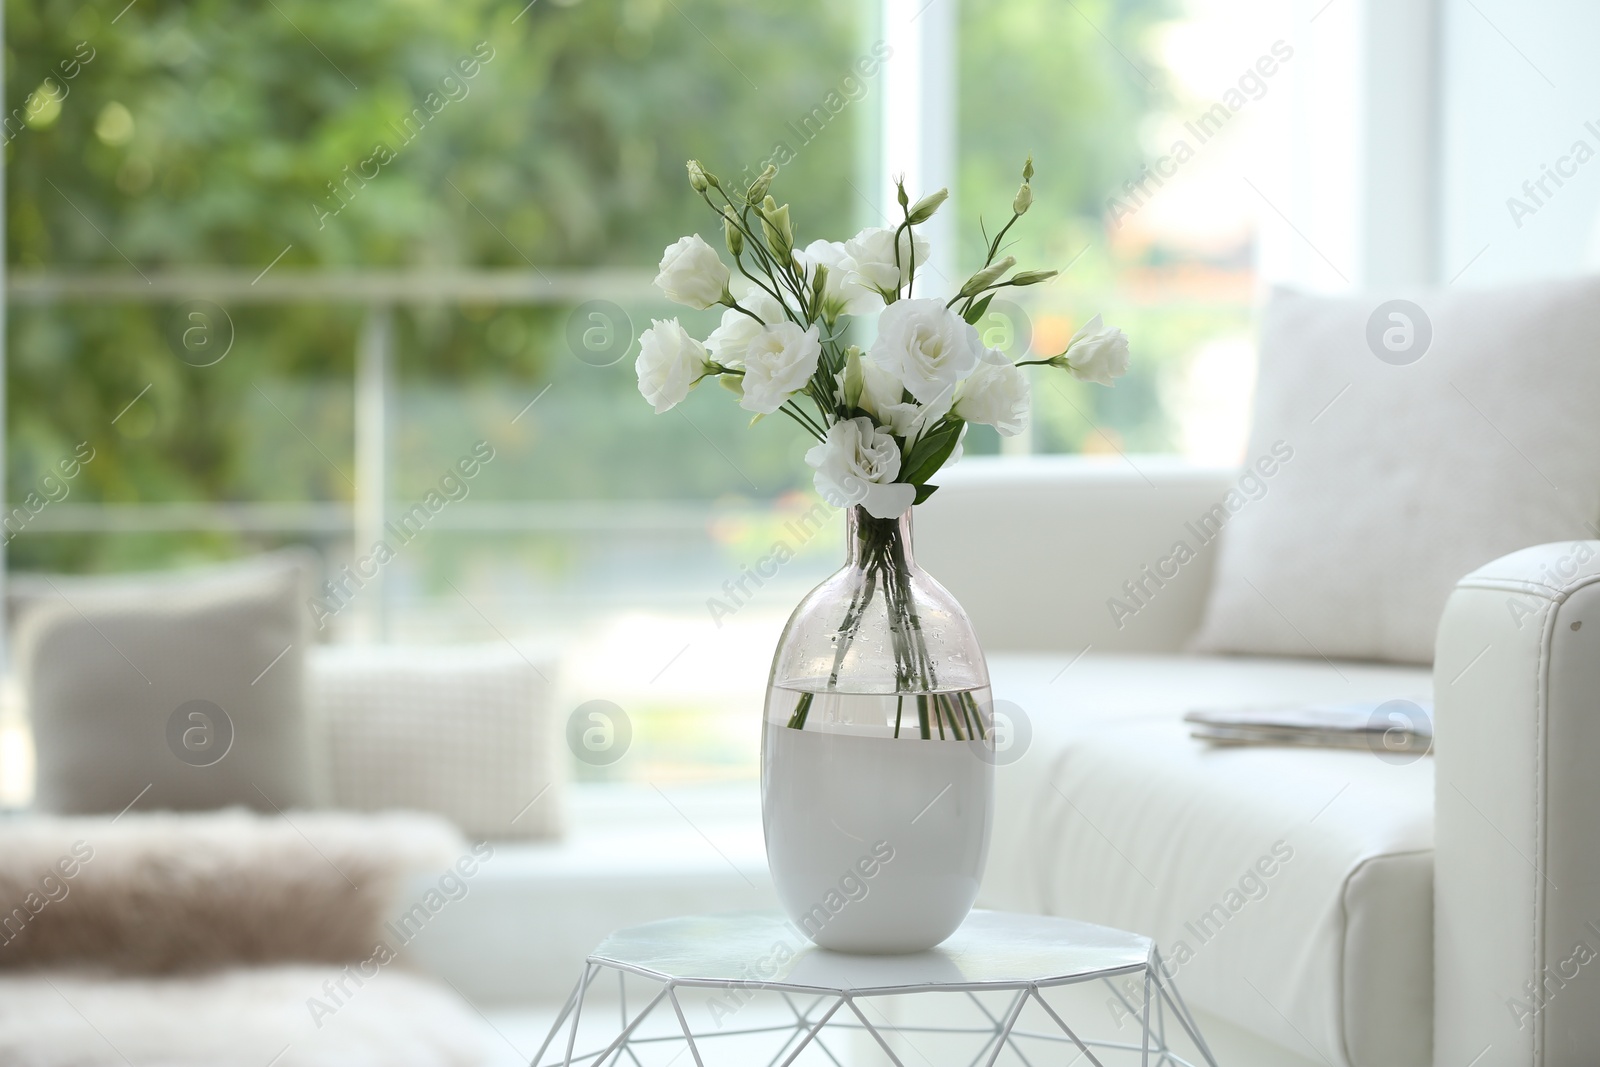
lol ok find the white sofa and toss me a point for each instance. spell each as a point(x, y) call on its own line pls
point(1332, 907)
point(1306, 886)
point(1336, 908)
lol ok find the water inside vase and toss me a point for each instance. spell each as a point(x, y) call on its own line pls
point(944, 715)
point(902, 827)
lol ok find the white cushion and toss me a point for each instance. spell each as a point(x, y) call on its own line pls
point(465, 732)
point(1115, 815)
point(1405, 477)
point(178, 690)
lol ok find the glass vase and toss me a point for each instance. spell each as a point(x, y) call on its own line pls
point(877, 769)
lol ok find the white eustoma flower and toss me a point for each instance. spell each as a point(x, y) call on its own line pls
point(1096, 353)
point(691, 273)
point(777, 363)
point(729, 340)
point(842, 291)
point(669, 363)
point(997, 394)
point(927, 346)
point(884, 396)
point(857, 465)
point(870, 258)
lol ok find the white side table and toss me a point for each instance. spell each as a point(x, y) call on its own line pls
point(1013, 960)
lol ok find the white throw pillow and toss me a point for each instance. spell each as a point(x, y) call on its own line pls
point(178, 690)
point(1422, 447)
point(469, 733)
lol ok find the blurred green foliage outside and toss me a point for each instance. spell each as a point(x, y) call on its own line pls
point(433, 135)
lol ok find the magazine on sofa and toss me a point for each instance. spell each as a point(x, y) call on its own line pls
point(1399, 726)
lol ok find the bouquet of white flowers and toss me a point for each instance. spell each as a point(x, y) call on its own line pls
point(888, 418)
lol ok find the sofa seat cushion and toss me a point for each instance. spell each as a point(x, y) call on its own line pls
point(1290, 889)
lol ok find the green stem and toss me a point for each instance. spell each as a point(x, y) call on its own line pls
point(735, 305)
point(795, 414)
point(851, 624)
point(994, 246)
point(883, 557)
point(797, 720)
point(954, 709)
point(770, 290)
point(757, 246)
point(798, 414)
point(972, 297)
point(970, 703)
point(911, 250)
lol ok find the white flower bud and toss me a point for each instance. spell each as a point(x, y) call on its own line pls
point(1096, 353)
point(775, 227)
point(988, 276)
point(923, 209)
point(691, 273)
point(758, 188)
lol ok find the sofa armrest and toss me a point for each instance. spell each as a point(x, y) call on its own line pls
point(1036, 548)
point(1517, 812)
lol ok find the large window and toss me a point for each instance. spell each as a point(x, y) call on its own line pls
point(281, 267)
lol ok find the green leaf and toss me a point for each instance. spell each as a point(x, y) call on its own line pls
point(924, 492)
point(929, 453)
point(975, 312)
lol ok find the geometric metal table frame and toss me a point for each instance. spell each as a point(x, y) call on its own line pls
point(1020, 956)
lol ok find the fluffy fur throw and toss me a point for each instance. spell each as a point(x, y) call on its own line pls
point(163, 893)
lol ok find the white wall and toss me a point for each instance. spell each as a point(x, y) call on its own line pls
point(1399, 108)
point(1311, 163)
point(1519, 82)
point(1352, 166)
point(1415, 123)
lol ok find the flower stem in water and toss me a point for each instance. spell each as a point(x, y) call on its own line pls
point(797, 720)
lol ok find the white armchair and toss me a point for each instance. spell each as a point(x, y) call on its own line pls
point(1304, 887)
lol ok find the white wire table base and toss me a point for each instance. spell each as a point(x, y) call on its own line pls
point(1004, 1030)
